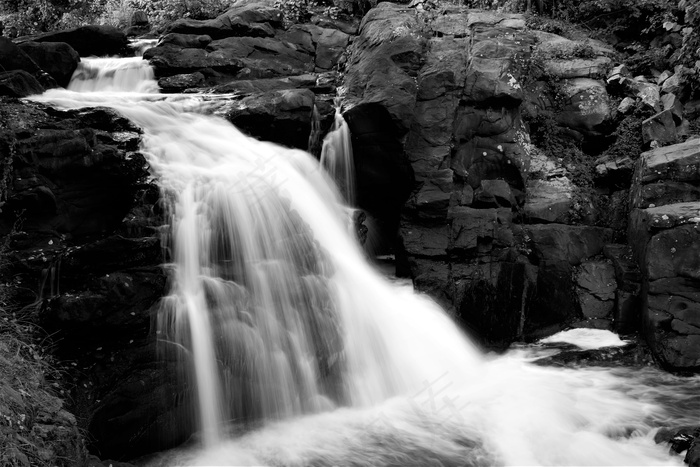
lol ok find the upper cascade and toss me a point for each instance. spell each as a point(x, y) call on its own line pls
point(113, 75)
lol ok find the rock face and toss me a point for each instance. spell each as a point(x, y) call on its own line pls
point(665, 235)
point(21, 75)
point(81, 222)
point(58, 59)
point(276, 75)
point(486, 229)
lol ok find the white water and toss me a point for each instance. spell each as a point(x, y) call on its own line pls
point(337, 158)
point(281, 319)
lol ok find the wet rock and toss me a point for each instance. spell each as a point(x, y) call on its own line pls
point(384, 176)
point(330, 45)
point(282, 116)
point(661, 127)
point(89, 40)
point(58, 59)
point(19, 83)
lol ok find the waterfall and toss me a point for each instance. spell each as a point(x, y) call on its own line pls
point(280, 318)
point(337, 157)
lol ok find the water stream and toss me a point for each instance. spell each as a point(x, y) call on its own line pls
point(304, 355)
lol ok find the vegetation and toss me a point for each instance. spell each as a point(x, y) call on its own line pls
point(35, 430)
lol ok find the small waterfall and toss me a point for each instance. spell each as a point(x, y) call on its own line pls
point(113, 75)
point(279, 317)
point(337, 157)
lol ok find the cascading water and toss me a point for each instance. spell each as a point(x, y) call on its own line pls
point(337, 157)
point(281, 319)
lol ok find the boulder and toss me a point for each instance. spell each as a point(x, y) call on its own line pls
point(186, 40)
point(283, 117)
point(586, 105)
point(58, 59)
point(548, 200)
point(90, 40)
point(12, 58)
point(254, 19)
point(19, 83)
point(667, 175)
point(661, 127)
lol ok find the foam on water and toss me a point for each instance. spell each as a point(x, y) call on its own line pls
point(292, 335)
point(587, 339)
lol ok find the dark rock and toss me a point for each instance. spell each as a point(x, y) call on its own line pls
point(90, 40)
point(480, 229)
point(283, 117)
point(567, 243)
point(186, 40)
point(494, 193)
point(12, 58)
point(548, 200)
point(180, 83)
point(384, 178)
point(58, 59)
point(386, 31)
point(596, 286)
point(19, 83)
point(138, 18)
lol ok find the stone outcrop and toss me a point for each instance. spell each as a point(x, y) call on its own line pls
point(489, 229)
point(58, 59)
point(81, 221)
point(664, 233)
point(21, 76)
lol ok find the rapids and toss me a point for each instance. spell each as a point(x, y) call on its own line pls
point(304, 355)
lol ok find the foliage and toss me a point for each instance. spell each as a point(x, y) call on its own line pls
point(161, 12)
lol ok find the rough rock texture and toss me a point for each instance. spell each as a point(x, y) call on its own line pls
point(279, 77)
point(664, 233)
point(81, 224)
point(455, 85)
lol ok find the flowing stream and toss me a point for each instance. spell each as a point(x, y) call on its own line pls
point(304, 355)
